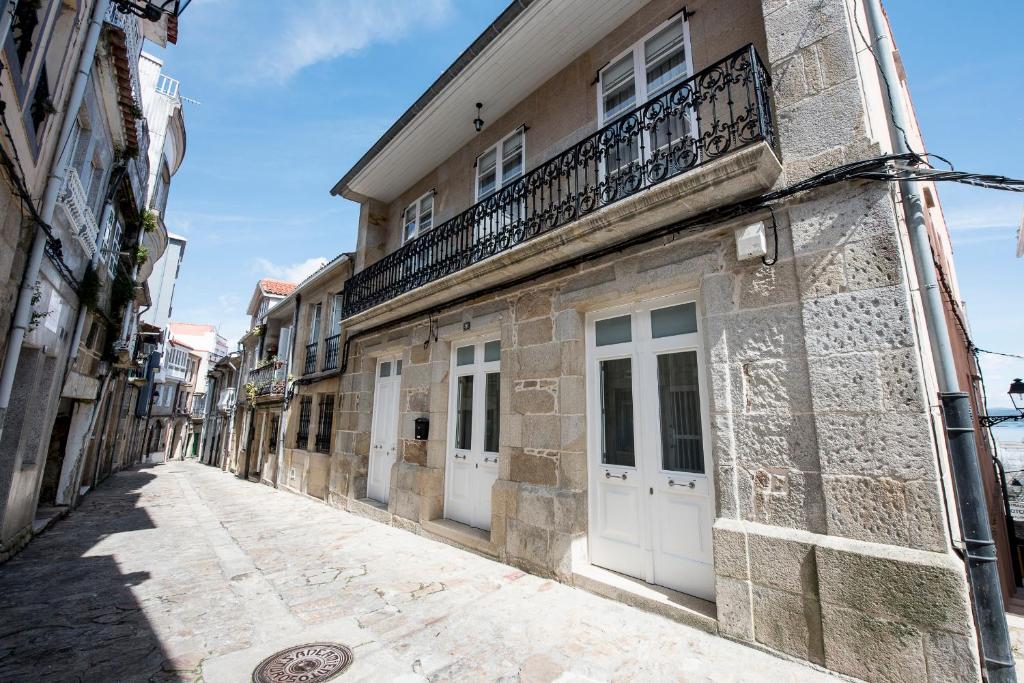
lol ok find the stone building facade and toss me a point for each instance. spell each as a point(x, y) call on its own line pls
point(311, 317)
point(622, 393)
point(75, 153)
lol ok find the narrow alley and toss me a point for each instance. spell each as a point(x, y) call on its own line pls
point(182, 572)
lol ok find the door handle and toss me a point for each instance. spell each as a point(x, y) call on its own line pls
point(494, 459)
point(460, 457)
point(609, 475)
point(691, 483)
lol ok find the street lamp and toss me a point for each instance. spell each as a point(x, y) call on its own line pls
point(152, 10)
point(1016, 393)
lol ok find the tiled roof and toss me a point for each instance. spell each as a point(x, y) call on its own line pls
point(190, 328)
point(276, 287)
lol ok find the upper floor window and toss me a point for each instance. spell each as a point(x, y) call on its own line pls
point(337, 309)
point(314, 323)
point(25, 29)
point(42, 106)
point(656, 62)
point(501, 164)
point(418, 217)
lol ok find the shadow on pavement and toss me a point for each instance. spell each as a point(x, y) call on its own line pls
point(67, 612)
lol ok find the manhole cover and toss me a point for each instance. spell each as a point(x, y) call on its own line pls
point(311, 663)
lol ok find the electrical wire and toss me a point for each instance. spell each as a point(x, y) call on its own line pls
point(881, 72)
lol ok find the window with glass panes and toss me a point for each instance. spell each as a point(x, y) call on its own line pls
point(418, 217)
point(646, 69)
point(501, 164)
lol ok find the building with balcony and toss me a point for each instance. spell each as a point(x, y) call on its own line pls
point(162, 280)
point(71, 87)
point(606, 324)
point(263, 381)
point(300, 455)
point(218, 432)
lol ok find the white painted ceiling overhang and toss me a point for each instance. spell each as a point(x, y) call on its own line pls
point(540, 42)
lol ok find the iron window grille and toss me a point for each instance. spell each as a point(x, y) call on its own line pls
point(274, 427)
point(305, 411)
point(309, 367)
point(325, 424)
point(331, 345)
point(718, 110)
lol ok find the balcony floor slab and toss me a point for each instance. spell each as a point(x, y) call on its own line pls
point(742, 174)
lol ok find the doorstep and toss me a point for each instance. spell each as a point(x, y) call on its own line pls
point(371, 509)
point(46, 516)
point(686, 609)
point(461, 535)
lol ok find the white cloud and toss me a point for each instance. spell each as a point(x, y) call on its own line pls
point(999, 371)
point(295, 272)
point(321, 30)
point(986, 214)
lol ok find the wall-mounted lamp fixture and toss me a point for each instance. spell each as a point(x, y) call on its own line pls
point(151, 10)
point(478, 122)
point(1016, 393)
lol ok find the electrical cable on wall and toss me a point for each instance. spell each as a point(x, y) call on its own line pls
point(884, 168)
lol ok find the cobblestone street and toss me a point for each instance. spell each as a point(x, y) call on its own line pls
point(181, 572)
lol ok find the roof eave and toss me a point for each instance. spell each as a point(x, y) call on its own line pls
point(504, 20)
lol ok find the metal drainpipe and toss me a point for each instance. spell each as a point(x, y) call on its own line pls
point(23, 310)
point(286, 404)
point(982, 571)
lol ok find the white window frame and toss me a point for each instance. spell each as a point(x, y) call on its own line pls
point(499, 180)
point(114, 245)
point(337, 303)
point(315, 320)
point(639, 68)
point(416, 205)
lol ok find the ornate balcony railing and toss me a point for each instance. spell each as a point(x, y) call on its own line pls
point(269, 378)
point(721, 109)
point(76, 206)
point(331, 345)
point(309, 366)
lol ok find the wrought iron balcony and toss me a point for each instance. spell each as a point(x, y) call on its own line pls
point(269, 378)
point(331, 345)
point(719, 110)
point(309, 366)
point(76, 207)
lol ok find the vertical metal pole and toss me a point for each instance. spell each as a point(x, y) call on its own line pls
point(982, 570)
point(981, 547)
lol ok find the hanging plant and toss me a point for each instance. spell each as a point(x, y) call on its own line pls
point(141, 256)
point(149, 221)
point(37, 316)
point(134, 111)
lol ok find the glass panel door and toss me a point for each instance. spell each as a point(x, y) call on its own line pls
point(617, 412)
point(682, 448)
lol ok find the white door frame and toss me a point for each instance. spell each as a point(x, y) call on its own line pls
point(646, 474)
point(394, 378)
point(485, 463)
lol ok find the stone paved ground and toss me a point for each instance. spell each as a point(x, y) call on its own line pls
point(181, 572)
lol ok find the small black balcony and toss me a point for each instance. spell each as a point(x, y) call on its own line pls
point(331, 345)
point(309, 366)
point(719, 110)
point(269, 379)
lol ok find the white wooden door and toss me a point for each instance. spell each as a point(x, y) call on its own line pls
point(384, 429)
point(474, 417)
point(652, 506)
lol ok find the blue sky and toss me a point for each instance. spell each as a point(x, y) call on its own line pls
point(292, 93)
